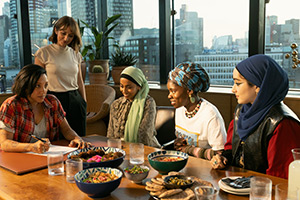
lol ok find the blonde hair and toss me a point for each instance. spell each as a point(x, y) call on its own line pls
point(63, 23)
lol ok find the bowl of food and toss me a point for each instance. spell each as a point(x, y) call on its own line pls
point(166, 161)
point(98, 182)
point(99, 156)
point(136, 173)
point(178, 181)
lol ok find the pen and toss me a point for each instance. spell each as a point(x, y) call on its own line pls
point(37, 138)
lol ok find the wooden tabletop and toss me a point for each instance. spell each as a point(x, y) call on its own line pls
point(39, 185)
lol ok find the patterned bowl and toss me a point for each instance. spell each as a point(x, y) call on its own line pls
point(98, 190)
point(164, 167)
point(110, 163)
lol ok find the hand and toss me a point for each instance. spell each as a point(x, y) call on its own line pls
point(41, 147)
point(179, 144)
point(79, 143)
point(218, 162)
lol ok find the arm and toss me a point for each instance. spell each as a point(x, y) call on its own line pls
point(38, 62)
point(8, 144)
point(70, 134)
point(80, 83)
point(285, 137)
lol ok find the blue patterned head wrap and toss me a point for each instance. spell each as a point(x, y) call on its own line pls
point(191, 76)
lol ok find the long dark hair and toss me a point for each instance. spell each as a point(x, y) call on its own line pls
point(26, 80)
point(63, 23)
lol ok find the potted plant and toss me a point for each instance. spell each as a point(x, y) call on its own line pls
point(100, 39)
point(97, 75)
point(119, 61)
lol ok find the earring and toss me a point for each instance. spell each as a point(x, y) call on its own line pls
point(192, 99)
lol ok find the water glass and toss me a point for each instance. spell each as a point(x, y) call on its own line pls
point(55, 161)
point(206, 193)
point(260, 188)
point(72, 167)
point(136, 153)
point(116, 143)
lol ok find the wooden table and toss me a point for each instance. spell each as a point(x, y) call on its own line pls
point(39, 185)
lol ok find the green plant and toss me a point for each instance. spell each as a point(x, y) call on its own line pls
point(99, 39)
point(97, 69)
point(121, 58)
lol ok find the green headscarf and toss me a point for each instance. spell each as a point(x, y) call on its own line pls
point(136, 112)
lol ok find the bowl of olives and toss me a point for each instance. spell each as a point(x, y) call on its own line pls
point(178, 181)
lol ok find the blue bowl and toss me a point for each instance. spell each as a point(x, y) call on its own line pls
point(98, 190)
point(111, 163)
point(166, 167)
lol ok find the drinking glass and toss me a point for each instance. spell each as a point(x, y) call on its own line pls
point(260, 188)
point(55, 161)
point(114, 143)
point(72, 167)
point(206, 193)
point(136, 153)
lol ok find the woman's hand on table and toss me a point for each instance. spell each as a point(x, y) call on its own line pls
point(79, 143)
point(41, 147)
point(218, 162)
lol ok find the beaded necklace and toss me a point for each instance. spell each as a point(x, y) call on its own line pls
point(194, 112)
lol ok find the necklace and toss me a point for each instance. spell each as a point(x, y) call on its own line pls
point(194, 112)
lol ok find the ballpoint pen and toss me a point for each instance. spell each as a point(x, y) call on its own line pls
point(37, 138)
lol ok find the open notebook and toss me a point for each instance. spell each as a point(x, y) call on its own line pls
point(21, 163)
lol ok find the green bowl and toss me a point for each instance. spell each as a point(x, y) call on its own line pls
point(166, 167)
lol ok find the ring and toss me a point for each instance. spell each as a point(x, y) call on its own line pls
point(215, 162)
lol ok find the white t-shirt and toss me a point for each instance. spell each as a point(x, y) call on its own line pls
point(206, 129)
point(62, 65)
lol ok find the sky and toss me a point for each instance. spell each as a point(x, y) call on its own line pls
point(219, 17)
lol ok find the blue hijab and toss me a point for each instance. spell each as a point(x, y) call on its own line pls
point(265, 73)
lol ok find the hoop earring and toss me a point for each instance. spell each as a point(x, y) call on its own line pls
point(192, 99)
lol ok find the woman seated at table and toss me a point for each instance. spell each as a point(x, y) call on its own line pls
point(200, 128)
point(132, 116)
point(264, 129)
point(32, 112)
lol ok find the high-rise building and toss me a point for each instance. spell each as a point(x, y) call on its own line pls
point(36, 19)
point(4, 27)
point(15, 60)
point(125, 8)
point(84, 10)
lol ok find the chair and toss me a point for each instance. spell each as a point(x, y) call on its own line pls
point(99, 98)
point(165, 125)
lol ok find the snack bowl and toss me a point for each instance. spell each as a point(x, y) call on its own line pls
point(111, 162)
point(166, 161)
point(136, 173)
point(98, 190)
point(178, 181)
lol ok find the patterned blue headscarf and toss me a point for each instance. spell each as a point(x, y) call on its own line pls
point(265, 73)
point(191, 76)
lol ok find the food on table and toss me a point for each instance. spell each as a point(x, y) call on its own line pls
point(97, 156)
point(179, 181)
point(154, 187)
point(100, 177)
point(167, 159)
point(136, 170)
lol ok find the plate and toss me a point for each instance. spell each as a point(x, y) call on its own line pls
point(227, 188)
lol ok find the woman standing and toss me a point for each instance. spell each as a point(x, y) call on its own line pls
point(62, 61)
point(31, 111)
point(200, 128)
point(264, 129)
point(132, 116)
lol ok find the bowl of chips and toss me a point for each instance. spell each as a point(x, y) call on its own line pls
point(99, 156)
point(166, 161)
point(98, 182)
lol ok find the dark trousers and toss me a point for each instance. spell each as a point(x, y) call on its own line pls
point(75, 108)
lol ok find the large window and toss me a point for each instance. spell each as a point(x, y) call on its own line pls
point(282, 30)
point(212, 33)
